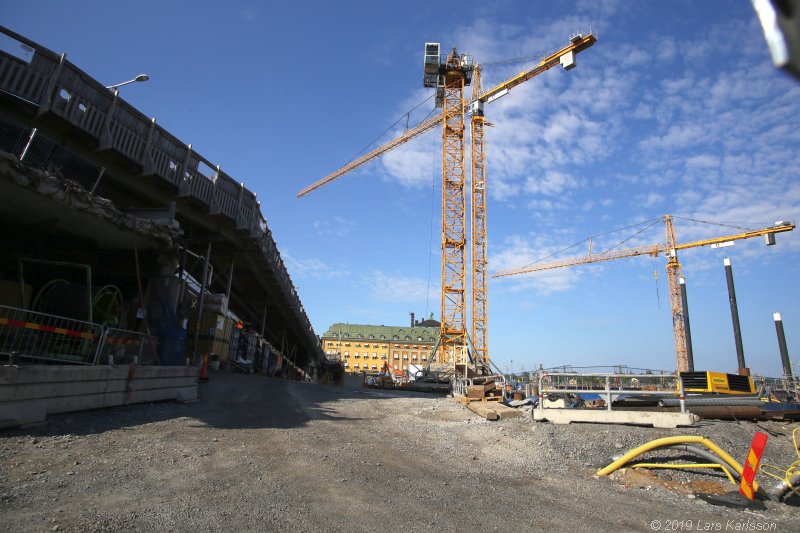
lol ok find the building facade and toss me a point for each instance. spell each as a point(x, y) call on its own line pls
point(367, 348)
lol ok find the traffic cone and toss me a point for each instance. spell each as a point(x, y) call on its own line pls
point(203, 378)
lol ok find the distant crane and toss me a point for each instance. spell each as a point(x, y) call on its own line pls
point(673, 270)
point(449, 77)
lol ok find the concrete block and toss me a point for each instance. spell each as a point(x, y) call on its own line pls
point(597, 416)
point(29, 393)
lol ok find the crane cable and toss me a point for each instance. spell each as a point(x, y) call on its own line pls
point(724, 225)
point(430, 233)
point(404, 115)
point(650, 222)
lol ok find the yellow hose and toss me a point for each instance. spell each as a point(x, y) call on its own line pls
point(685, 465)
point(669, 441)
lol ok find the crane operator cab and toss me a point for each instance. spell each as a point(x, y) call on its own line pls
point(431, 65)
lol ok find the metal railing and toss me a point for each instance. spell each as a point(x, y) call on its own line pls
point(609, 386)
point(460, 384)
point(119, 346)
point(26, 334)
point(30, 334)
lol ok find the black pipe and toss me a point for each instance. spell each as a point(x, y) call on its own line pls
point(787, 365)
point(686, 328)
point(737, 332)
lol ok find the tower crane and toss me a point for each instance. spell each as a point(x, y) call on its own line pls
point(674, 276)
point(449, 75)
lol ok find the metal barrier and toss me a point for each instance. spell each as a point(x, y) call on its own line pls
point(119, 346)
point(30, 334)
point(609, 387)
point(461, 384)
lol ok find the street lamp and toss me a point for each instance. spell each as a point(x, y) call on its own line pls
point(140, 77)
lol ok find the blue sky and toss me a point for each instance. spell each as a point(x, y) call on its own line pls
point(677, 109)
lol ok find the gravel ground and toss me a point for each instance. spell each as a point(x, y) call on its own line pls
point(258, 454)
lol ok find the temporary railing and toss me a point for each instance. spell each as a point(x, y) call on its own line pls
point(30, 334)
point(609, 386)
point(40, 77)
point(119, 346)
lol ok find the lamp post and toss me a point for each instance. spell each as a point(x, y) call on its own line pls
point(140, 77)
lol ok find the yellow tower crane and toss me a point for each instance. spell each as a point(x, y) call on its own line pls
point(670, 249)
point(449, 75)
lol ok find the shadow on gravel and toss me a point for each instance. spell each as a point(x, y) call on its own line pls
point(227, 401)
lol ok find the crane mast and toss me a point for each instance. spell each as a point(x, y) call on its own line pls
point(676, 303)
point(480, 274)
point(453, 332)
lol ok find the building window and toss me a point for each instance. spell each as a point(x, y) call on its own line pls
point(383, 336)
point(383, 356)
point(374, 367)
point(355, 365)
point(371, 336)
point(408, 338)
point(346, 364)
point(346, 353)
point(347, 344)
point(424, 358)
point(360, 336)
point(419, 339)
point(395, 337)
point(405, 357)
point(330, 343)
point(413, 357)
point(396, 356)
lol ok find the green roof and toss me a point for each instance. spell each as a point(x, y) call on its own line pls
point(369, 332)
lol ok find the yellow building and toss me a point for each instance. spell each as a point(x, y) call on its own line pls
point(367, 348)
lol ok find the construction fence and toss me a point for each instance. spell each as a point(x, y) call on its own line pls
point(26, 334)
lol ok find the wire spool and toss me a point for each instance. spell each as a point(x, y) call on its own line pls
point(44, 302)
point(107, 306)
point(61, 298)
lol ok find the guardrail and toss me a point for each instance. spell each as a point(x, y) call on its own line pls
point(26, 334)
point(30, 334)
point(119, 346)
point(610, 386)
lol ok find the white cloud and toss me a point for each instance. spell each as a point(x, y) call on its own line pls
point(335, 228)
point(397, 288)
point(551, 183)
point(301, 268)
point(517, 251)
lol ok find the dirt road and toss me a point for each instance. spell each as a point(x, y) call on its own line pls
point(259, 454)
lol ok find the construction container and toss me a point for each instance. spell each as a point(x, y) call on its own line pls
point(215, 303)
point(215, 334)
